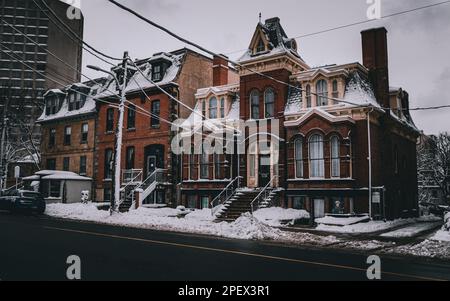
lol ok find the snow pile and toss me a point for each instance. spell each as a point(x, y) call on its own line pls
point(444, 234)
point(342, 221)
point(371, 245)
point(84, 212)
point(427, 248)
point(276, 216)
point(370, 227)
point(248, 227)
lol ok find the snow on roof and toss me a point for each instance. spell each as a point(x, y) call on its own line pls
point(358, 91)
point(138, 81)
point(218, 90)
point(60, 175)
point(29, 159)
point(294, 102)
point(64, 112)
point(54, 91)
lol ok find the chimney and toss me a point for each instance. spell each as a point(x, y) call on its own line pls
point(220, 70)
point(375, 58)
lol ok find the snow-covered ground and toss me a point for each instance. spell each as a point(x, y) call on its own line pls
point(276, 216)
point(344, 221)
point(374, 226)
point(444, 234)
point(412, 230)
point(199, 222)
point(261, 227)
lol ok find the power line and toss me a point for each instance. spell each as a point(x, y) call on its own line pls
point(186, 41)
point(360, 22)
point(76, 36)
point(72, 38)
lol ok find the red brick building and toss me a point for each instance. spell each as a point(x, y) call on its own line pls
point(148, 162)
point(322, 160)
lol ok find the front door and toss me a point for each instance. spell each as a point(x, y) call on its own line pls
point(264, 170)
point(319, 208)
point(151, 165)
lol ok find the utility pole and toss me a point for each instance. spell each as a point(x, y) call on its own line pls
point(119, 135)
point(121, 87)
point(3, 145)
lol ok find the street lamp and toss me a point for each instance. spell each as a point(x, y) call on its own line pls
point(119, 132)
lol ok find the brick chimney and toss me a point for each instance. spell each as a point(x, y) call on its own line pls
point(375, 58)
point(220, 71)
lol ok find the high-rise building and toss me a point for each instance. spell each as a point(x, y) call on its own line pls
point(39, 50)
point(29, 31)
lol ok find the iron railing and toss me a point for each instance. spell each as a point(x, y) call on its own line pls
point(132, 176)
point(263, 195)
point(159, 176)
point(225, 195)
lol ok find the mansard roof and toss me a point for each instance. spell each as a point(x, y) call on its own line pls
point(275, 37)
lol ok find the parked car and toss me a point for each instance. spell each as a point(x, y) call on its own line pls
point(22, 200)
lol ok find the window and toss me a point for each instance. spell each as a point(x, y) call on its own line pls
point(52, 138)
point(217, 167)
point(157, 73)
point(156, 112)
point(204, 108)
point(308, 96)
point(204, 165)
point(107, 195)
point(51, 105)
point(130, 157)
point(51, 164)
point(108, 170)
point(261, 47)
point(252, 159)
point(84, 132)
point(67, 135)
point(192, 164)
point(55, 189)
point(110, 120)
point(335, 91)
point(71, 101)
point(269, 103)
point(66, 164)
point(335, 158)
point(204, 202)
point(83, 165)
point(322, 93)
point(298, 158)
point(192, 202)
point(222, 107)
point(337, 205)
point(213, 108)
point(254, 105)
point(316, 158)
point(299, 203)
point(131, 120)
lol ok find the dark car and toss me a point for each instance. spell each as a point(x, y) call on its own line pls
point(22, 200)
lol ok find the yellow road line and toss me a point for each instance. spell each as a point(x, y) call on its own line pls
point(241, 253)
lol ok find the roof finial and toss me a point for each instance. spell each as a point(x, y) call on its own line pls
point(260, 17)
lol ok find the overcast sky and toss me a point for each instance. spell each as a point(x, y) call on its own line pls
point(419, 42)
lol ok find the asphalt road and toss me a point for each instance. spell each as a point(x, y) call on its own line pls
point(36, 248)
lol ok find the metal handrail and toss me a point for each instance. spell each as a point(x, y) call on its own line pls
point(152, 178)
point(228, 192)
point(127, 176)
point(263, 191)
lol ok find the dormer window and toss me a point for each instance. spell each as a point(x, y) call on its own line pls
point(322, 93)
point(261, 47)
point(76, 101)
point(51, 107)
point(157, 73)
point(213, 108)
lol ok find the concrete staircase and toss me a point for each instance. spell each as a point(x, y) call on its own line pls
point(237, 205)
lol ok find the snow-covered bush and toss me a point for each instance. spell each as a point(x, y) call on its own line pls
point(447, 222)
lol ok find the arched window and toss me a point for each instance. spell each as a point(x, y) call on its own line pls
point(308, 96)
point(335, 157)
point(269, 103)
point(298, 158)
point(316, 157)
point(222, 107)
point(335, 91)
point(254, 105)
point(213, 108)
point(322, 93)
